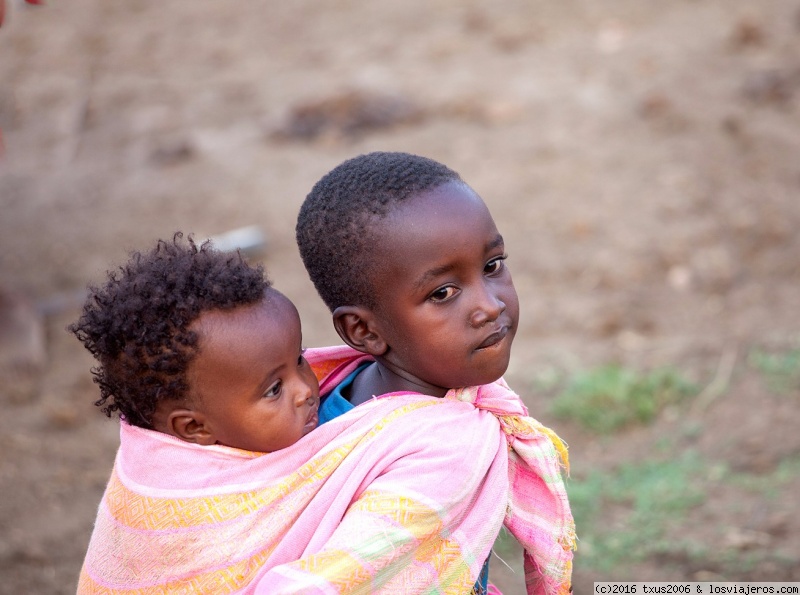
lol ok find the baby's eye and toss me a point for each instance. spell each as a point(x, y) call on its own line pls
point(443, 293)
point(495, 265)
point(274, 390)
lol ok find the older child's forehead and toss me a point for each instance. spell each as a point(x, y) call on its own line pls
point(445, 204)
point(435, 232)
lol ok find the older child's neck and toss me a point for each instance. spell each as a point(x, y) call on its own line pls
point(379, 379)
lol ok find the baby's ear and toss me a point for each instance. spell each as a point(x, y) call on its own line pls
point(191, 426)
point(356, 326)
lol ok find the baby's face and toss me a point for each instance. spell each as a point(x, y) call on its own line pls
point(447, 306)
point(249, 380)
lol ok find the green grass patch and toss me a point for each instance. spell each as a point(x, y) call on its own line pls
point(627, 515)
point(781, 370)
point(610, 397)
point(622, 516)
point(769, 485)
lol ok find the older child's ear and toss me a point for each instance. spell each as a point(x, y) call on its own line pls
point(356, 327)
point(190, 426)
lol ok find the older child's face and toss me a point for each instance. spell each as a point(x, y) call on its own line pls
point(447, 306)
point(249, 380)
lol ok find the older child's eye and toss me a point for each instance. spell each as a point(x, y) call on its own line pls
point(274, 390)
point(495, 265)
point(443, 293)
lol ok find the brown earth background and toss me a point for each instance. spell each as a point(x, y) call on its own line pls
point(642, 160)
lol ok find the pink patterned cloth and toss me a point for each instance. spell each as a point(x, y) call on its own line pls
point(404, 494)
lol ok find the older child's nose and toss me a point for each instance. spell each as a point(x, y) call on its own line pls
point(489, 307)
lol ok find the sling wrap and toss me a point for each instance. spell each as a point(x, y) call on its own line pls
point(403, 494)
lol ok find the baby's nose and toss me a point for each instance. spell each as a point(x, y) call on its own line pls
point(304, 395)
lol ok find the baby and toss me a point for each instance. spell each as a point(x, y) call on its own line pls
point(196, 344)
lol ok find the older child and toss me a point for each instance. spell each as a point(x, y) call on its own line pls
point(220, 486)
point(410, 262)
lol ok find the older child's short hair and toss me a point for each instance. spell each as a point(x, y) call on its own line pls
point(333, 227)
point(137, 324)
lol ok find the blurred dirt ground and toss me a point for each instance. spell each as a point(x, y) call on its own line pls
point(642, 160)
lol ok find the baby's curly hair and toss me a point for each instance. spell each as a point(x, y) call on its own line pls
point(333, 227)
point(137, 324)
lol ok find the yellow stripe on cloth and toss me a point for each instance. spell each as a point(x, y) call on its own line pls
point(224, 580)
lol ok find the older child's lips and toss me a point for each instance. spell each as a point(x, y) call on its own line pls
point(494, 338)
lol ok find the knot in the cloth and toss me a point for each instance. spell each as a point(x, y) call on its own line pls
point(506, 405)
point(537, 513)
point(496, 397)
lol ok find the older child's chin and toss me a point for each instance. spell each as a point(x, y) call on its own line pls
point(495, 365)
